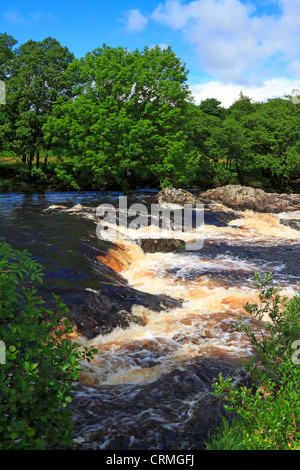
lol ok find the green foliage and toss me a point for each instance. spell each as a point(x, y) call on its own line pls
point(6, 53)
point(223, 175)
point(120, 119)
point(127, 125)
point(273, 133)
point(267, 413)
point(229, 437)
point(229, 145)
point(212, 107)
point(41, 364)
point(242, 107)
point(36, 78)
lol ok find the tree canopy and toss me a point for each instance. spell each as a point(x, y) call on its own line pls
point(36, 78)
point(127, 119)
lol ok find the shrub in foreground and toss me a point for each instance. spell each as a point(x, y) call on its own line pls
point(266, 415)
point(40, 365)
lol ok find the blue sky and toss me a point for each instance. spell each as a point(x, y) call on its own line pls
point(228, 46)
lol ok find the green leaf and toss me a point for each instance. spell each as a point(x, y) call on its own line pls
point(30, 432)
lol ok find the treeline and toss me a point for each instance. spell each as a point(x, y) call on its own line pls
point(117, 119)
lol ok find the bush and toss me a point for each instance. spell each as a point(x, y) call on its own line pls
point(223, 176)
point(41, 364)
point(266, 414)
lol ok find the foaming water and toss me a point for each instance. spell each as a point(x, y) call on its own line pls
point(214, 291)
point(201, 328)
point(249, 228)
point(254, 228)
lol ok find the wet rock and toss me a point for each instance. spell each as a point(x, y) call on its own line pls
point(292, 223)
point(161, 245)
point(220, 218)
point(215, 213)
point(243, 198)
point(55, 208)
point(100, 312)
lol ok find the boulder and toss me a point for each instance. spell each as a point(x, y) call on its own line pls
point(243, 198)
point(161, 245)
point(100, 312)
point(176, 196)
point(292, 223)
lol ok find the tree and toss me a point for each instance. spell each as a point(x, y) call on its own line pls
point(229, 146)
point(124, 124)
point(274, 132)
point(199, 127)
point(211, 106)
point(37, 79)
point(6, 54)
point(242, 107)
point(41, 364)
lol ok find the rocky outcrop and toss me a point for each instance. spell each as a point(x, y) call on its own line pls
point(176, 196)
point(243, 198)
point(100, 312)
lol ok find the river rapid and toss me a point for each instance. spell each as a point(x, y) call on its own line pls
point(150, 384)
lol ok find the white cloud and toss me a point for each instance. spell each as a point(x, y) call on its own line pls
point(234, 41)
point(13, 17)
point(37, 17)
point(228, 93)
point(135, 21)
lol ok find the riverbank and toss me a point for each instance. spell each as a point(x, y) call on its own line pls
point(15, 176)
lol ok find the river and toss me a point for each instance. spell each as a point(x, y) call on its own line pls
point(150, 384)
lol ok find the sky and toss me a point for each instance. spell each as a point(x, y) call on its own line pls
point(228, 46)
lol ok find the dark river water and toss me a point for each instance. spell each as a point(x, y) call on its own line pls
point(150, 385)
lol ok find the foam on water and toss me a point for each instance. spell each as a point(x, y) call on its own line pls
point(203, 327)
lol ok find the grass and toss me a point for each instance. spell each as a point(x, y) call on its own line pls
point(229, 437)
point(14, 175)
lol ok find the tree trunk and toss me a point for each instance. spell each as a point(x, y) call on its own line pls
point(38, 159)
point(239, 174)
point(30, 160)
point(45, 160)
